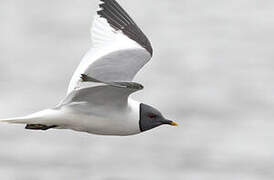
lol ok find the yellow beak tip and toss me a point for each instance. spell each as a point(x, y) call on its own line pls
point(174, 124)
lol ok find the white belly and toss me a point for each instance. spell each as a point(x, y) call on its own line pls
point(99, 125)
point(104, 123)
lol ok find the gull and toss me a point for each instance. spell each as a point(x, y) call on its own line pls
point(97, 100)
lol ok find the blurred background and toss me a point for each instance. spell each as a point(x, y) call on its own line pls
point(213, 72)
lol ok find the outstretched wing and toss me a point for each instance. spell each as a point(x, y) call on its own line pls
point(107, 94)
point(119, 47)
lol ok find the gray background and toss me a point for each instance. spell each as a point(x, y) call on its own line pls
point(212, 72)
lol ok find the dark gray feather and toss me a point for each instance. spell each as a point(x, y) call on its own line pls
point(119, 19)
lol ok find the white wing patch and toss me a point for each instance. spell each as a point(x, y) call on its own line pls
point(113, 55)
point(101, 32)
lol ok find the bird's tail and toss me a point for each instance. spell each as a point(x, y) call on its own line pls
point(17, 120)
point(37, 121)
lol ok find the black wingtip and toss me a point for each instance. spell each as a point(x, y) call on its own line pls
point(84, 77)
point(119, 19)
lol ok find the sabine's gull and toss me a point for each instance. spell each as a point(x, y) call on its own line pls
point(97, 99)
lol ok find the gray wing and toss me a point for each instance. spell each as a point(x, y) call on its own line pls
point(102, 95)
point(128, 85)
point(107, 94)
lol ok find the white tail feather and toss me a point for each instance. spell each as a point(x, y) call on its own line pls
point(19, 120)
point(41, 117)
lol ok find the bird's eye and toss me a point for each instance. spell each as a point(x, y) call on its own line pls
point(152, 115)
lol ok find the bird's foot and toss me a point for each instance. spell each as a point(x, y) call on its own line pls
point(39, 127)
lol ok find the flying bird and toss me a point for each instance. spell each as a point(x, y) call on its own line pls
point(97, 100)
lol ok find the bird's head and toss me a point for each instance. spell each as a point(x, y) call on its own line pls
point(151, 118)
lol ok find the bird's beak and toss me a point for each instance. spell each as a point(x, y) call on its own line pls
point(174, 123)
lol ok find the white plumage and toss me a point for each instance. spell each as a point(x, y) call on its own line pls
point(97, 98)
point(112, 57)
